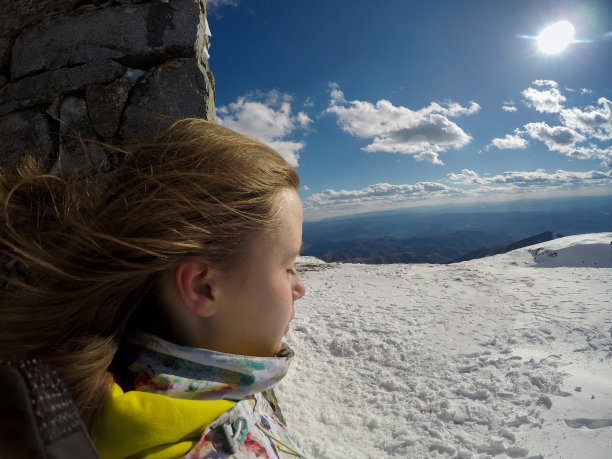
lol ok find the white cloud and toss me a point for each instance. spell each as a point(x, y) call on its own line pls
point(466, 176)
point(423, 133)
point(452, 109)
point(509, 142)
point(303, 120)
point(546, 100)
point(556, 138)
point(214, 4)
point(594, 121)
point(308, 103)
point(306, 188)
point(428, 157)
point(267, 117)
point(337, 96)
point(509, 108)
point(586, 91)
point(593, 152)
point(549, 83)
point(564, 139)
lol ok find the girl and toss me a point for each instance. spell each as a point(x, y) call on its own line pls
point(161, 290)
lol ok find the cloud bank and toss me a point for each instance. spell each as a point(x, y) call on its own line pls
point(267, 117)
point(423, 133)
point(537, 178)
point(380, 193)
point(466, 185)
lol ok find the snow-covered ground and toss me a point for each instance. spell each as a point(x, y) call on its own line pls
point(502, 356)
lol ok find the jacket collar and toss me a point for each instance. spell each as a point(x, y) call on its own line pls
point(151, 425)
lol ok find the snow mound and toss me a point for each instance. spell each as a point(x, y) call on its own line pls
point(582, 251)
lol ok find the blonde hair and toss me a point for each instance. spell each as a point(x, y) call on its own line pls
point(84, 251)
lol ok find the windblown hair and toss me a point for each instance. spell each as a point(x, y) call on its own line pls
point(81, 253)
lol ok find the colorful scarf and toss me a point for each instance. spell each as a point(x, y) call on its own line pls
point(199, 374)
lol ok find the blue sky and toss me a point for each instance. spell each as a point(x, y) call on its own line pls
point(403, 103)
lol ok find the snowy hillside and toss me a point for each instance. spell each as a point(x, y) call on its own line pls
point(503, 356)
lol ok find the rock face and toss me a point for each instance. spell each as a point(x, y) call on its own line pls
point(163, 94)
point(80, 73)
point(44, 88)
point(137, 35)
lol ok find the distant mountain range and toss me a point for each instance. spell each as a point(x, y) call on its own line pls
point(449, 248)
point(447, 235)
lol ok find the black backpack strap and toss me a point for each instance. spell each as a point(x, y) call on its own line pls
point(38, 418)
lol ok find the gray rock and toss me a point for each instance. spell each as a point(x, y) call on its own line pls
point(78, 147)
point(105, 104)
point(23, 133)
point(177, 89)
point(3, 80)
point(5, 54)
point(137, 35)
point(16, 14)
point(44, 88)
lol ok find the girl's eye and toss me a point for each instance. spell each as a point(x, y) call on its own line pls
point(292, 271)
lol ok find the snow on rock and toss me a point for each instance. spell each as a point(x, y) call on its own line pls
point(590, 251)
point(485, 358)
point(306, 260)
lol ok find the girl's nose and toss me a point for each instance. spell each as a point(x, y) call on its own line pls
point(299, 289)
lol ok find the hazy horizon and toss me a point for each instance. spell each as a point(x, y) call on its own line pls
point(491, 205)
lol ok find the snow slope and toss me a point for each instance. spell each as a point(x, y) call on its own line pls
point(489, 357)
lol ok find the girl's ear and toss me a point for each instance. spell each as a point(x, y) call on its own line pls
point(193, 285)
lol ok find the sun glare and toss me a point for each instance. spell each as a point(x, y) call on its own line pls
point(556, 37)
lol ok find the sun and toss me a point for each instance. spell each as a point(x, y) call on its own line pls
point(556, 37)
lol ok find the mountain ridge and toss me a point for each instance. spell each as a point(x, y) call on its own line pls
point(449, 248)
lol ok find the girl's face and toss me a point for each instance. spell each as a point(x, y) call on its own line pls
point(255, 302)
